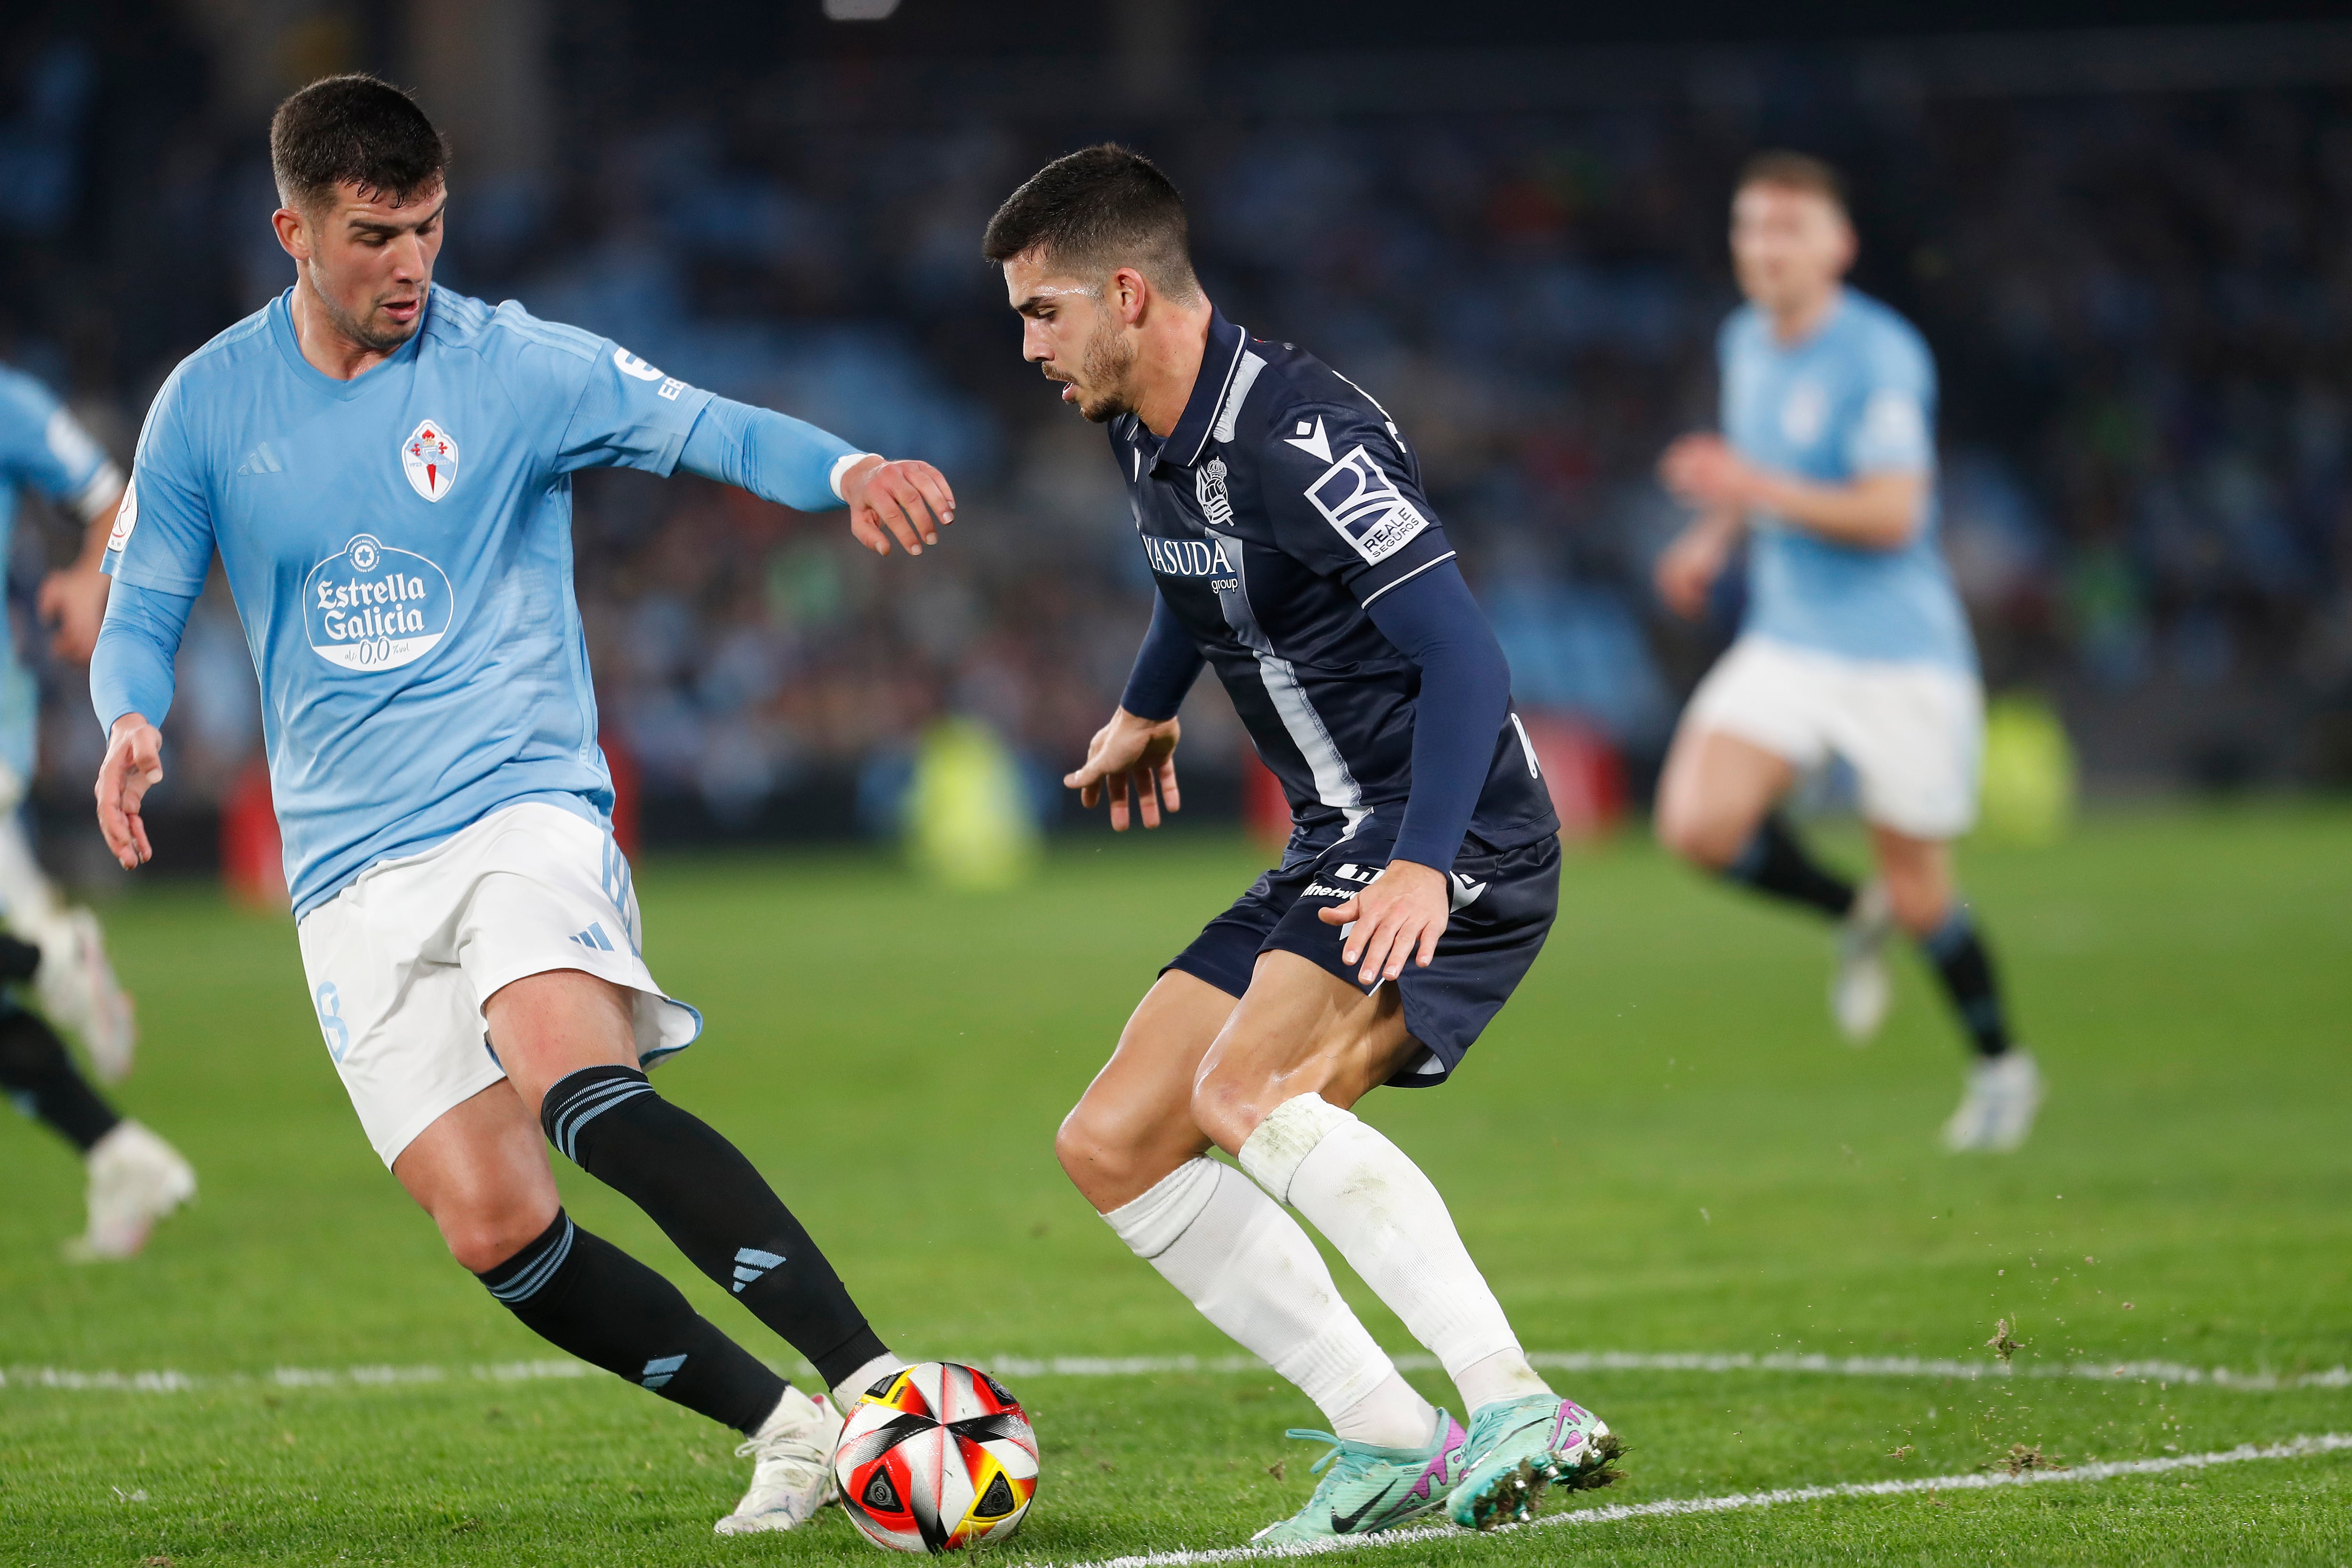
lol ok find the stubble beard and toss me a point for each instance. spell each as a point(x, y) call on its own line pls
point(1108, 358)
point(358, 331)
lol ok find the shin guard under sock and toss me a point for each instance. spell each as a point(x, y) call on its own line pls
point(40, 1076)
point(717, 1208)
point(1776, 863)
point(581, 1293)
point(1958, 955)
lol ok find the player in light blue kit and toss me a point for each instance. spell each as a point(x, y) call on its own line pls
point(1854, 645)
point(386, 470)
point(135, 1177)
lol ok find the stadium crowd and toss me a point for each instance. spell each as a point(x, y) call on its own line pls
point(2141, 304)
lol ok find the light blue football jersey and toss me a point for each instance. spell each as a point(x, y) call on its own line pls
point(1857, 398)
point(400, 549)
point(43, 448)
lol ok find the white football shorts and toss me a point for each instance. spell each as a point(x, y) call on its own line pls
point(1912, 733)
point(401, 961)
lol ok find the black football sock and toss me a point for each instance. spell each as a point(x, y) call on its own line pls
point(1958, 955)
point(17, 959)
point(581, 1293)
point(41, 1078)
point(720, 1211)
point(1775, 863)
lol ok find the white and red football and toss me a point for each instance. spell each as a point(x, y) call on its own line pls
point(936, 1459)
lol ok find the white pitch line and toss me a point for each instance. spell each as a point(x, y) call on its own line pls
point(1666, 1508)
point(1014, 1366)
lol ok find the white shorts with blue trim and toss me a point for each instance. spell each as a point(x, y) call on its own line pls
point(1912, 733)
point(401, 961)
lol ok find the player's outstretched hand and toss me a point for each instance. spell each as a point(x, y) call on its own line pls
point(73, 600)
point(1398, 918)
point(1130, 754)
point(133, 765)
point(1702, 470)
point(1687, 572)
point(904, 500)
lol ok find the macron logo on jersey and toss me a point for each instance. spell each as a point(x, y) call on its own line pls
point(1358, 497)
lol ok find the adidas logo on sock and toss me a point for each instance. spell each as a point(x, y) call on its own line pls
point(594, 937)
point(752, 1265)
point(660, 1369)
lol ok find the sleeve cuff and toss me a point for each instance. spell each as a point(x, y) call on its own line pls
point(841, 467)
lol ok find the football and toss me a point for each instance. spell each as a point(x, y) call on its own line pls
point(935, 1458)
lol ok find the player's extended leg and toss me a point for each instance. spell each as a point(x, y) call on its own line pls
point(1297, 1031)
point(481, 1170)
point(2004, 1083)
point(75, 984)
point(1132, 1148)
point(567, 1041)
point(135, 1177)
point(1717, 808)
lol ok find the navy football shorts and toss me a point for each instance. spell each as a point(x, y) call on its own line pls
point(1504, 901)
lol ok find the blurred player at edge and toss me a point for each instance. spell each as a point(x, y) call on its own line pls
point(1290, 546)
point(1854, 644)
point(135, 1178)
point(386, 470)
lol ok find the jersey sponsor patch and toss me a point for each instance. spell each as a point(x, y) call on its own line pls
point(374, 607)
point(1188, 557)
point(429, 458)
point(1356, 495)
point(126, 518)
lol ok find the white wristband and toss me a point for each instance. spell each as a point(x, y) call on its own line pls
point(841, 467)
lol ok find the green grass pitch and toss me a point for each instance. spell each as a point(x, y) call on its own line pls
point(1660, 1146)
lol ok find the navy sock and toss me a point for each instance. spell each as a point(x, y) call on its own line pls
point(41, 1078)
point(1775, 863)
point(1959, 953)
point(707, 1198)
point(580, 1292)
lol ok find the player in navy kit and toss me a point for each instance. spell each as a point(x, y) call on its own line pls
point(1282, 516)
point(384, 469)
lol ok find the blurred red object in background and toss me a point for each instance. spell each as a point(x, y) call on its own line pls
point(1586, 776)
point(627, 789)
point(252, 855)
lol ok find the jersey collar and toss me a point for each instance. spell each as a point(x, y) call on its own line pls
point(1219, 360)
point(281, 332)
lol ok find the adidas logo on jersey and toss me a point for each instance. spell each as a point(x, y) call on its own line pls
point(594, 937)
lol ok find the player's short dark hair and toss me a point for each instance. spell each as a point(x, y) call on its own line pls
point(1795, 172)
point(1094, 211)
point(353, 130)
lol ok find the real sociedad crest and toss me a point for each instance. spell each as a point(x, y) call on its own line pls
point(429, 458)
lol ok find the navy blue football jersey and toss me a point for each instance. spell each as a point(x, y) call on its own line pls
point(1283, 503)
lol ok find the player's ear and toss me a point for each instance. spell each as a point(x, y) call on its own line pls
point(1127, 294)
point(293, 232)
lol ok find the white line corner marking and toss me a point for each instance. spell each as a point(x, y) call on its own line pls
point(1974, 1480)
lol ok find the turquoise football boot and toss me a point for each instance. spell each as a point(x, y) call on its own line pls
point(1519, 1447)
point(1368, 1489)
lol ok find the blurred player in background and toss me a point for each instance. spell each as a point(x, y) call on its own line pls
point(1290, 545)
point(135, 1177)
point(1854, 645)
point(386, 470)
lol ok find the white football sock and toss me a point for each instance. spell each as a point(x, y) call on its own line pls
point(28, 899)
point(1251, 1270)
point(1387, 1220)
point(1505, 1374)
point(845, 1392)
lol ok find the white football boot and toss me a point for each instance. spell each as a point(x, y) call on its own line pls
point(793, 1478)
point(135, 1179)
point(76, 987)
point(1997, 1112)
point(1860, 989)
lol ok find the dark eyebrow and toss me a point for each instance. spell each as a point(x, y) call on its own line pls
point(369, 226)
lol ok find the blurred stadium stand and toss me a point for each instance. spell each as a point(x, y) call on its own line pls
point(2131, 248)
